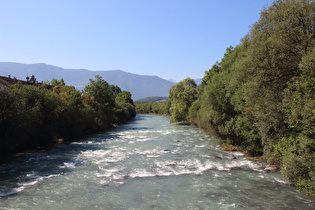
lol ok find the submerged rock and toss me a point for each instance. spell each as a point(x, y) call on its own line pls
point(271, 169)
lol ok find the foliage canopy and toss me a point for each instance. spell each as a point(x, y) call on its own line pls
point(260, 96)
point(33, 116)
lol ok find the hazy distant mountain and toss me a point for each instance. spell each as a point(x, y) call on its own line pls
point(198, 81)
point(140, 86)
point(149, 99)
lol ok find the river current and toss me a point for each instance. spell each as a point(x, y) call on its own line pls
point(145, 164)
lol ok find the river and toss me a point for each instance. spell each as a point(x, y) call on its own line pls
point(145, 164)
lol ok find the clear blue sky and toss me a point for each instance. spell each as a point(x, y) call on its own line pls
point(172, 39)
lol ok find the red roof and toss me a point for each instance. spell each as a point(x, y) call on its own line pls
point(4, 83)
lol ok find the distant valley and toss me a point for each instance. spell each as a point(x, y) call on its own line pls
point(140, 86)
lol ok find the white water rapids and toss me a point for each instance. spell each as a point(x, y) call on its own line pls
point(145, 164)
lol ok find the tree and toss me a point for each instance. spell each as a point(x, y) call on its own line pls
point(296, 150)
point(33, 79)
point(181, 96)
point(261, 95)
point(56, 82)
point(101, 91)
point(115, 90)
point(124, 97)
point(278, 41)
point(209, 74)
point(32, 116)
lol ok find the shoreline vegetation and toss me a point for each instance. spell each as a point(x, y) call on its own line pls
point(154, 108)
point(37, 116)
point(260, 96)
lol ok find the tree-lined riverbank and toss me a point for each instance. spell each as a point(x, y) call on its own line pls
point(260, 96)
point(33, 116)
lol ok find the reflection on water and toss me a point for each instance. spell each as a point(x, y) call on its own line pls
point(146, 164)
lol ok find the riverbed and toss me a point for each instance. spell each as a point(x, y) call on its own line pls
point(145, 164)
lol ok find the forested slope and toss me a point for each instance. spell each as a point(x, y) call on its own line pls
point(260, 96)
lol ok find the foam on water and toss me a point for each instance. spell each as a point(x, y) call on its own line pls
point(33, 180)
point(146, 164)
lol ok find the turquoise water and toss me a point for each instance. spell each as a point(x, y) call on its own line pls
point(145, 164)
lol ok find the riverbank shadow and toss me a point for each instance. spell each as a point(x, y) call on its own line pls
point(30, 167)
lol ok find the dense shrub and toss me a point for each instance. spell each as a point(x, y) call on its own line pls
point(32, 116)
point(154, 107)
point(260, 96)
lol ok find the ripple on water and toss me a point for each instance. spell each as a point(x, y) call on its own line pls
point(29, 180)
point(162, 166)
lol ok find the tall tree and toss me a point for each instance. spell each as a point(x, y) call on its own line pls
point(100, 90)
point(284, 33)
point(182, 95)
point(56, 82)
point(261, 95)
point(296, 150)
point(124, 97)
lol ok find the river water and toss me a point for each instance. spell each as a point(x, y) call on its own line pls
point(145, 164)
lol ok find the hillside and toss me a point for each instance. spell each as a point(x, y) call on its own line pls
point(140, 86)
point(149, 99)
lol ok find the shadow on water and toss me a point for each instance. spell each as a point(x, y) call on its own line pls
point(137, 121)
point(32, 166)
point(141, 128)
point(36, 165)
point(142, 117)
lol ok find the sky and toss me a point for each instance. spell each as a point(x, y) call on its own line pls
point(172, 39)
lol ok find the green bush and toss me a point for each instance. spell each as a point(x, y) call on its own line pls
point(33, 116)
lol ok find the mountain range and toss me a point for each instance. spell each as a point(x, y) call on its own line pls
point(140, 86)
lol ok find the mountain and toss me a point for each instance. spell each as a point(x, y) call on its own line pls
point(140, 86)
point(198, 81)
point(149, 99)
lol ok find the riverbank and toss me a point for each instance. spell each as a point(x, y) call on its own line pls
point(34, 116)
